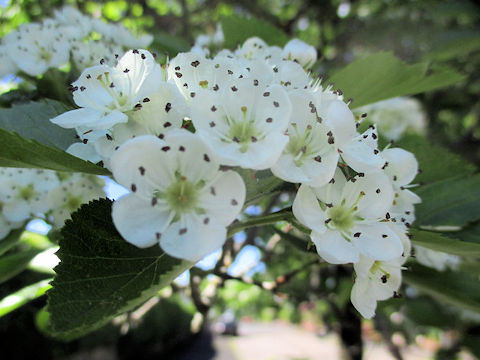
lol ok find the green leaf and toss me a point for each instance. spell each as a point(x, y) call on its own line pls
point(32, 121)
point(237, 29)
point(450, 287)
point(436, 162)
point(297, 242)
point(20, 152)
point(101, 275)
point(382, 76)
point(457, 45)
point(439, 242)
point(12, 265)
point(22, 296)
point(450, 202)
point(169, 43)
point(10, 240)
point(259, 184)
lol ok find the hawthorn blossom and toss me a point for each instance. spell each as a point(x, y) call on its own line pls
point(349, 218)
point(402, 167)
point(436, 259)
point(35, 48)
point(105, 93)
point(244, 124)
point(73, 191)
point(378, 280)
point(310, 156)
point(23, 192)
point(396, 117)
point(179, 198)
point(6, 225)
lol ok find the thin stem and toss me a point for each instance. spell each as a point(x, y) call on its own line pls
point(282, 215)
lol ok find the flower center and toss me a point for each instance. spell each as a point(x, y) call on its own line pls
point(342, 217)
point(182, 195)
point(26, 193)
point(73, 203)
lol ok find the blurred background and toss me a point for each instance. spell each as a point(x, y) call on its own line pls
point(292, 309)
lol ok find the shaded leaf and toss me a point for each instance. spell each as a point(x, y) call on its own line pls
point(101, 275)
point(20, 152)
point(450, 202)
point(439, 242)
point(10, 240)
point(14, 264)
point(450, 287)
point(382, 76)
point(237, 29)
point(436, 162)
point(32, 121)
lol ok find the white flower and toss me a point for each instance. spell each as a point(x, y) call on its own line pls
point(396, 117)
point(436, 259)
point(179, 197)
point(37, 47)
point(300, 52)
point(348, 218)
point(73, 21)
point(23, 191)
point(7, 66)
point(105, 93)
point(73, 191)
point(245, 124)
point(378, 280)
point(119, 34)
point(310, 157)
point(402, 167)
point(163, 112)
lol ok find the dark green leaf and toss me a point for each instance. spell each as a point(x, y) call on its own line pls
point(382, 76)
point(10, 240)
point(101, 275)
point(19, 152)
point(237, 29)
point(32, 121)
point(454, 288)
point(436, 162)
point(450, 202)
point(439, 242)
point(11, 265)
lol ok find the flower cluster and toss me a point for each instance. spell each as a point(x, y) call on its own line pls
point(69, 36)
point(30, 193)
point(258, 108)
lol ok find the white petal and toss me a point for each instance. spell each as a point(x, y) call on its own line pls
point(191, 238)
point(17, 210)
point(333, 248)
point(402, 165)
point(362, 299)
point(144, 75)
point(377, 198)
point(276, 105)
point(223, 199)
point(143, 155)
point(361, 157)
point(307, 210)
point(320, 173)
point(84, 151)
point(196, 161)
point(332, 192)
point(377, 241)
point(137, 221)
point(340, 119)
